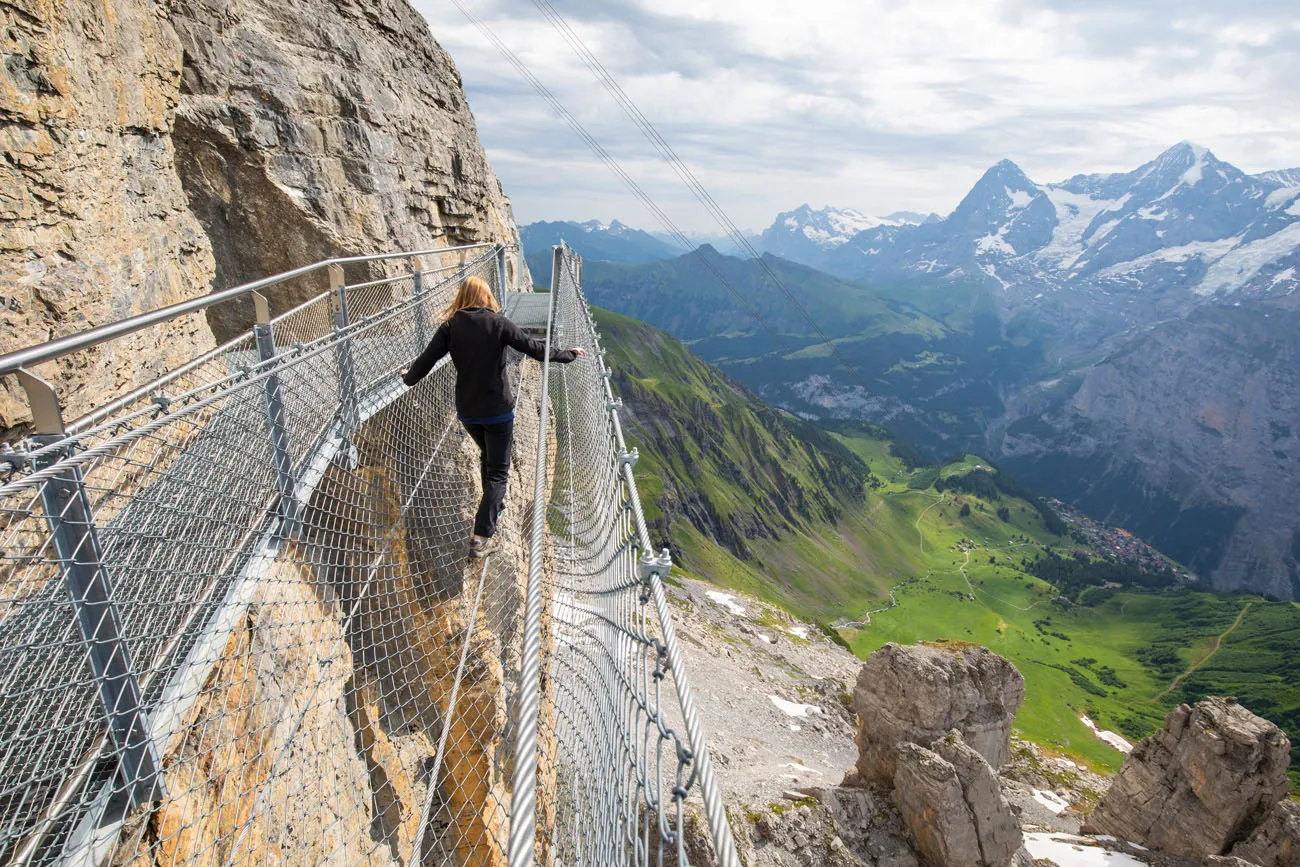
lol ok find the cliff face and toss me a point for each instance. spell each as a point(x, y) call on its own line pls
point(156, 150)
point(94, 223)
point(310, 130)
point(1188, 437)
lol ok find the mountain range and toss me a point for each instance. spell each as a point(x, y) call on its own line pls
point(1128, 343)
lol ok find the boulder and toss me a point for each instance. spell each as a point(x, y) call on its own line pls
point(1198, 785)
point(952, 806)
point(996, 825)
point(919, 693)
point(1275, 842)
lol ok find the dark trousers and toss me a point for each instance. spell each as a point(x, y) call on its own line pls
point(494, 443)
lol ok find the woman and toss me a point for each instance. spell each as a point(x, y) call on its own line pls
point(476, 335)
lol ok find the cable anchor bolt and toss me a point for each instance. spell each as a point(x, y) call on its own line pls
point(629, 459)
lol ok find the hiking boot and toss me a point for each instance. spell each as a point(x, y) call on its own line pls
point(480, 548)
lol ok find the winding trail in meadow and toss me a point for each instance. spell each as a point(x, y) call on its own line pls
point(1218, 644)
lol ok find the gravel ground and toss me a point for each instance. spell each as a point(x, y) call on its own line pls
point(737, 664)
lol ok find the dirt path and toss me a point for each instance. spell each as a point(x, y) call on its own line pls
point(920, 535)
point(1218, 644)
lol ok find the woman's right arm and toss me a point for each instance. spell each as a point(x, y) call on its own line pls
point(515, 337)
point(436, 349)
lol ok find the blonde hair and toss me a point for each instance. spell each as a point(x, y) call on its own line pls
point(474, 292)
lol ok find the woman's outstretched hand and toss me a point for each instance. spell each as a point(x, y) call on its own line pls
point(578, 350)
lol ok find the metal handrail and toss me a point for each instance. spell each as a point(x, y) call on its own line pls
point(13, 361)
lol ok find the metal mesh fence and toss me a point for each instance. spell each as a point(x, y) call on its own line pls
point(238, 624)
point(612, 773)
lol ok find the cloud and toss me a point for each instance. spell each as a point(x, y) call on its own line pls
point(872, 104)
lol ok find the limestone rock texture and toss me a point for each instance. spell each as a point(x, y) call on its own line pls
point(94, 222)
point(1200, 784)
point(1275, 842)
point(952, 805)
point(311, 130)
point(154, 151)
point(832, 827)
point(919, 693)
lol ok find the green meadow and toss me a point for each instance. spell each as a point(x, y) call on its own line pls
point(832, 523)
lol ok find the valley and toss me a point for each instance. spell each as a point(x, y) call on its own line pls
point(866, 539)
point(1127, 343)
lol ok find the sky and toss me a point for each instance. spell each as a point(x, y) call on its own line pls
point(878, 105)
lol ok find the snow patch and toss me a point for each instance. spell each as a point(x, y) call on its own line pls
point(1278, 198)
point(1294, 210)
point(1051, 801)
point(829, 228)
point(994, 244)
point(763, 638)
point(1237, 266)
point(1207, 250)
point(988, 269)
point(727, 601)
point(794, 708)
point(799, 632)
point(1115, 740)
point(1019, 198)
point(1074, 213)
point(1068, 850)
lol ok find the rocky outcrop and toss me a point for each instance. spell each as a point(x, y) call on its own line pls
point(310, 130)
point(94, 223)
point(1198, 785)
point(952, 805)
point(919, 693)
point(832, 827)
point(1275, 842)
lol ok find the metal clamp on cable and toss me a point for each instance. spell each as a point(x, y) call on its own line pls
point(652, 565)
point(615, 404)
point(629, 458)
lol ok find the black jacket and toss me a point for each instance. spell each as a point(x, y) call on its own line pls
point(477, 339)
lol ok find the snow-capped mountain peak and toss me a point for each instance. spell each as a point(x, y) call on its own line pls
point(1181, 227)
point(808, 231)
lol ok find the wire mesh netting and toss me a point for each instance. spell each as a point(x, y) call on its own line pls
point(615, 766)
point(238, 624)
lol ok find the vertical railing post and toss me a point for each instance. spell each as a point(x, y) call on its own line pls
point(417, 289)
point(500, 286)
point(276, 421)
point(86, 578)
point(343, 349)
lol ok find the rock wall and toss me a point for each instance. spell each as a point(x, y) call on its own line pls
point(1188, 438)
point(154, 150)
point(310, 130)
point(94, 223)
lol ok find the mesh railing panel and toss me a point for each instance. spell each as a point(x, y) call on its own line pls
point(295, 678)
point(238, 624)
point(614, 766)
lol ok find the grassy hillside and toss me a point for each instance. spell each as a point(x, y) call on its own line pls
point(847, 527)
point(748, 495)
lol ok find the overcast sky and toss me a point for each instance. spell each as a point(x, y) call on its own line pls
point(880, 105)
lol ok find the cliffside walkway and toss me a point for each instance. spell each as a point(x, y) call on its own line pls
point(238, 626)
